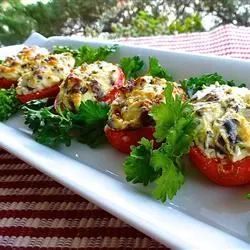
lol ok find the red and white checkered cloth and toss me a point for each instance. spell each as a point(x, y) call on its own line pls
point(228, 40)
point(38, 213)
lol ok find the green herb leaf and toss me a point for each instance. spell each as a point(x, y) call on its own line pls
point(9, 104)
point(40, 103)
point(87, 54)
point(53, 129)
point(89, 122)
point(156, 70)
point(175, 129)
point(65, 49)
point(93, 135)
point(171, 178)
point(131, 66)
point(193, 84)
point(166, 114)
point(248, 196)
point(176, 132)
point(91, 112)
point(49, 128)
point(179, 138)
point(137, 166)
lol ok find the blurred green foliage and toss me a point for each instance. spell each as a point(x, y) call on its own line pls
point(145, 24)
point(56, 17)
point(191, 23)
point(115, 18)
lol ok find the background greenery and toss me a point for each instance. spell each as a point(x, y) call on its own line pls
point(116, 18)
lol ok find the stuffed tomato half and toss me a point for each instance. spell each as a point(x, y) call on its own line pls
point(99, 81)
point(43, 79)
point(222, 144)
point(13, 67)
point(129, 116)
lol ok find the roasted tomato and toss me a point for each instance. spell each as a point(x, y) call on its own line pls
point(13, 67)
point(48, 92)
point(122, 140)
point(129, 118)
point(222, 143)
point(113, 93)
point(6, 83)
point(222, 171)
point(44, 78)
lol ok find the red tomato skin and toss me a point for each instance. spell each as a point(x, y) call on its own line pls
point(121, 79)
point(48, 92)
point(111, 95)
point(6, 84)
point(115, 91)
point(223, 172)
point(122, 140)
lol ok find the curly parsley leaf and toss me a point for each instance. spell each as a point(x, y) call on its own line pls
point(131, 66)
point(248, 196)
point(53, 129)
point(87, 54)
point(9, 104)
point(137, 166)
point(40, 103)
point(92, 136)
point(193, 84)
point(175, 129)
point(89, 123)
point(91, 112)
point(48, 127)
point(156, 69)
point(1, 61)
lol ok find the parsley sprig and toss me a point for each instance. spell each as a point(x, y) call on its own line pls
point(87, 54)
point(48, 127)
point(53, 129)
point(175, 128)
point(157, 70)
point(138, 167)
point(89, 122)
point(131, 66)
point(9, 104)
point(193, 84)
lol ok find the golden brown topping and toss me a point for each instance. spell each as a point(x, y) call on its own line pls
point(88, 82)
point(131, 109)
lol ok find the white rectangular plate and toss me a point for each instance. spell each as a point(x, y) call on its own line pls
point(201, 216)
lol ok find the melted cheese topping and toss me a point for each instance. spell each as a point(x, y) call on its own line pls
point(88, 82)
point(13, 67)
point(224, 114)
point(130, 110)
point(49, 71)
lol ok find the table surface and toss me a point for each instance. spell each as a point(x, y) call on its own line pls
point(38, 213)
